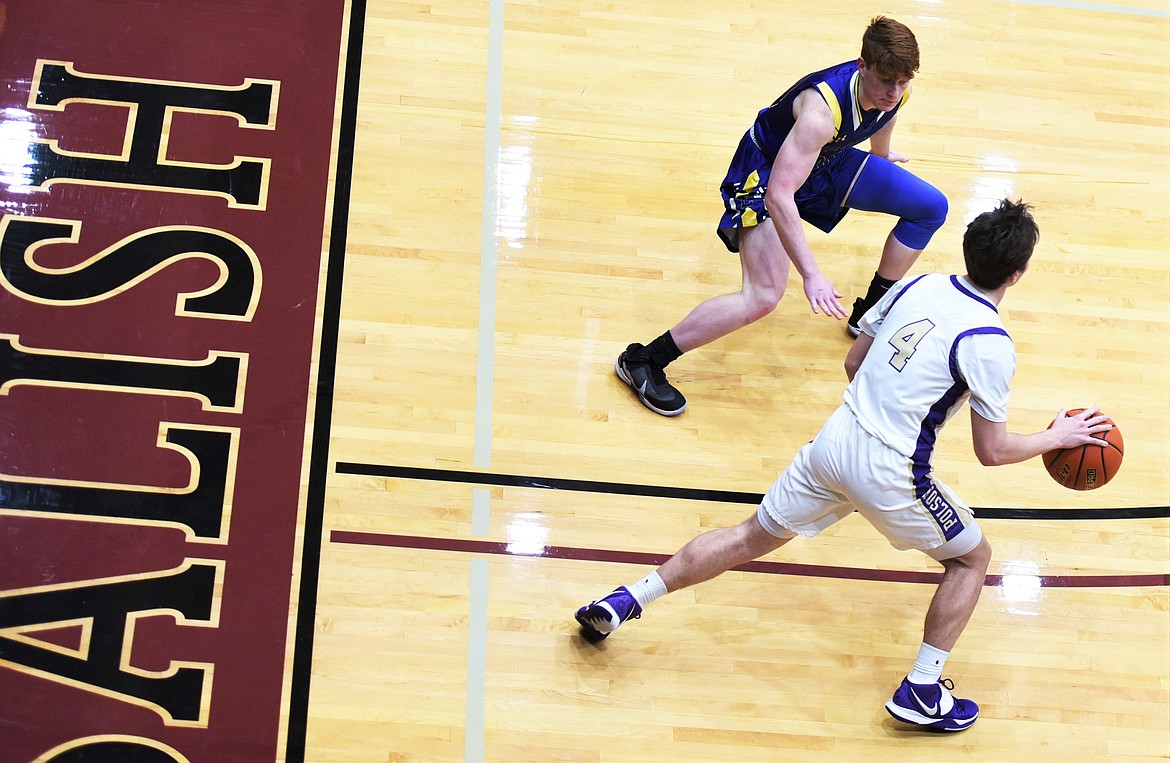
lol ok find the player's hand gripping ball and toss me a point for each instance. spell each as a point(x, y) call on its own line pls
point(1086, 467)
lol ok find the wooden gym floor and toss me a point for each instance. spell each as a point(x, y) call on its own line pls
point(427, 472)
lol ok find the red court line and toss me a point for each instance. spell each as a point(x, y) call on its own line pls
point(769, 568)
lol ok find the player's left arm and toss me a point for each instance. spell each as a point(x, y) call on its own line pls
point(987, 362)
point(995, 445)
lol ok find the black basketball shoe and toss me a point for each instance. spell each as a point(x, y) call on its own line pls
point(649, 382)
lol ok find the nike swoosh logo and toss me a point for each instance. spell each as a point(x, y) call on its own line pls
point(929, 710)
point(642, 387)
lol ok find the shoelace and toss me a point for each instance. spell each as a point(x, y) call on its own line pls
point(657, 375)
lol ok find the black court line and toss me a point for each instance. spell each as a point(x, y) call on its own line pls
point(302, 662)
point(696, 494)
point(765, 567)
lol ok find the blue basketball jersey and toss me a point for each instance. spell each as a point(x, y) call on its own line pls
point(838, 85)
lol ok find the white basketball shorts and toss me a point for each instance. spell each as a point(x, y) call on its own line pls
point(845, 469)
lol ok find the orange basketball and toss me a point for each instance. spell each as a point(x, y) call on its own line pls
point(1086, 467)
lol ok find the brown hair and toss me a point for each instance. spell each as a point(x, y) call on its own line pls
point(890, 48)
point(998, 243)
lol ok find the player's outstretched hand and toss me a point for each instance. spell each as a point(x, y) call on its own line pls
point(823, 296)
point(1079, 429)
point(897, 158)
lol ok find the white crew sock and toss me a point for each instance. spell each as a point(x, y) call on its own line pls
point(929, 665)
point(648, 589)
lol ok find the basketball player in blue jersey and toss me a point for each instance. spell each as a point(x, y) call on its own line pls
point(929, 345)
point(798, 161)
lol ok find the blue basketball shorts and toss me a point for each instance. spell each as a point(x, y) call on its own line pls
point(851, 179)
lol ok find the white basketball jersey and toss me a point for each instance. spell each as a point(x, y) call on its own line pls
point(937, 342)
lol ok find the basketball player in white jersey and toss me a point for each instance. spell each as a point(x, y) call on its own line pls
point(930, 344)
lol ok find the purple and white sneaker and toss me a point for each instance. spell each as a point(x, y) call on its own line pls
point(603, 617)
point(932, 706)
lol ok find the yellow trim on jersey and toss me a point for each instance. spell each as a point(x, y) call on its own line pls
point(748, 216)
point(750, 184)
point(905, 96)
point(834, 106)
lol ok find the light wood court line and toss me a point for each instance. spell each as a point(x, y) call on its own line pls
point(536, 185)
point(476, 662)
point(485, 351)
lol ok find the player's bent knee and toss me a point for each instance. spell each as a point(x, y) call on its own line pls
point(919, 224)
point(977, 559)
point(981, 554)
point(762, 302)
point(758, 310)
point(968, 547)
point(934, 204)
point(771, 526)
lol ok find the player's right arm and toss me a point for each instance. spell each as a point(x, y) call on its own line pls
point(995, 445)
point(857, 353)
point(794, 162)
